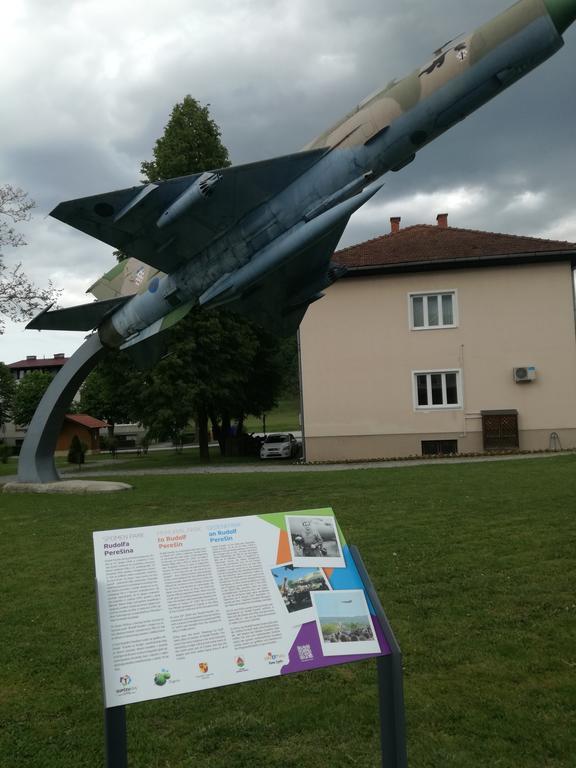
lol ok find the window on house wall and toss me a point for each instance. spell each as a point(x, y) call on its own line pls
point(437, 389)
point(439, 447)
point(433, 310)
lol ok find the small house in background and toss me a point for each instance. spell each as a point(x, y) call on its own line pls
point(442, 340)
point(87, 428)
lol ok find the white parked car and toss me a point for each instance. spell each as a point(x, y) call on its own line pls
point(279, 445)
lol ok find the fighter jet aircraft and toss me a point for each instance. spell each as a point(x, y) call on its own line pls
point(258, 238)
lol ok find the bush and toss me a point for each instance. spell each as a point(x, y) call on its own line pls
point(5, 453)
point(76, 452)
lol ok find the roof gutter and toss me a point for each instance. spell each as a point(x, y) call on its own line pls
point(461, 263)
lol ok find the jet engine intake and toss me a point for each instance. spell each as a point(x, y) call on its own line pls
point(200, 189)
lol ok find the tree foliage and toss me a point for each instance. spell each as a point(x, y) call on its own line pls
point(28, 394)
point(7, 390)
point(112, 390)
point(221, 366)
point(20, 298)
point(190, 144)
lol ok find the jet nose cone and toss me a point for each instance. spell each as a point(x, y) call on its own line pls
point(562, 12)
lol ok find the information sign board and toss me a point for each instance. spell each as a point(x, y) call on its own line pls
point(197, 605)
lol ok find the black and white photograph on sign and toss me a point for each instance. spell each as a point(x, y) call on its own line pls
point(314, 541)
point(344, 623)
point(295, 585)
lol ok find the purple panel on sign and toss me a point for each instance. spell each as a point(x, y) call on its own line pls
point(306, 652)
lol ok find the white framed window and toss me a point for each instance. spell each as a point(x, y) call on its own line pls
point(433, 310)
point(437, 389)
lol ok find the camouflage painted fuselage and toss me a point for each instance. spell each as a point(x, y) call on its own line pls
point(461, 76)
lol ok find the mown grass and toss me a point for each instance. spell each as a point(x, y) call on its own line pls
point(129, 460)
point(284, 418)
point(475, 568)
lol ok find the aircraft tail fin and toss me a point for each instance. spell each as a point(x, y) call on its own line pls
point(83, 317)
point(127, 278)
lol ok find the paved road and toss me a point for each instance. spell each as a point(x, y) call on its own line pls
point(273, 466)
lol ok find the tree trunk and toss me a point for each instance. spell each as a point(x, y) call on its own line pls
point(218, 433)
point(225, 429)
point(202, 421)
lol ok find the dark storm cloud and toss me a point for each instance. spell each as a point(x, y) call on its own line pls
point(96, 83)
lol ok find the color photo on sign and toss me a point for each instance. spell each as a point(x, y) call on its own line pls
point(314, 541)
point(344, 623)
point(295, 585)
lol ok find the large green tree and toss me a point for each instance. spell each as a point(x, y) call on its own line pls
point(28, 394)
point(221, 365)
point(7, 390)
point(20, 298)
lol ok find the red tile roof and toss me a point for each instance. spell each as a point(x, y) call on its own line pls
point(86, 421)
point(40, 362)
point(428, 245)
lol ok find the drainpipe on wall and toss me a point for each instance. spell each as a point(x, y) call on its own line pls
point(464, 432)
point(300, 379)
point(574, 295)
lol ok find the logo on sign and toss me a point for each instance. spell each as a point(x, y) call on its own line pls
point(161, 677)
point(203, 667)
point(274, 658)
point(240, 663)
point(126, 688)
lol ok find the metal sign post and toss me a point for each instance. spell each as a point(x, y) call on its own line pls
point(115, 737)
point(390, 682)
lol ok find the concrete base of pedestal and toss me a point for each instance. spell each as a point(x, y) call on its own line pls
point(67, 486)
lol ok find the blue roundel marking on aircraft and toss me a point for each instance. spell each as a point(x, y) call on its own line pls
point(153, 285)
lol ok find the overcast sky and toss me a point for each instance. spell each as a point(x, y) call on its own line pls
point(88, 85)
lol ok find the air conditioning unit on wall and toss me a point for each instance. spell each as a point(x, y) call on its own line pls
point(524, 373)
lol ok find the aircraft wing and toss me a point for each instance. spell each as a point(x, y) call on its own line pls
point(127, 219)
point(277, 301)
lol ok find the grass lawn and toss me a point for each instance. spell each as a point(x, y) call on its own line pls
point(284, 418)
point(475, 567)
point(129, 460)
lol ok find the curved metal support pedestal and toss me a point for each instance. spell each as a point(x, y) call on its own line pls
point(36, 462)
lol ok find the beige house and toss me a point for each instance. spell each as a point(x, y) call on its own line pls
point(442, 340)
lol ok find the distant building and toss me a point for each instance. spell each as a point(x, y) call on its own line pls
point(442, 340)
point(43, 364)
point(85, 427)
